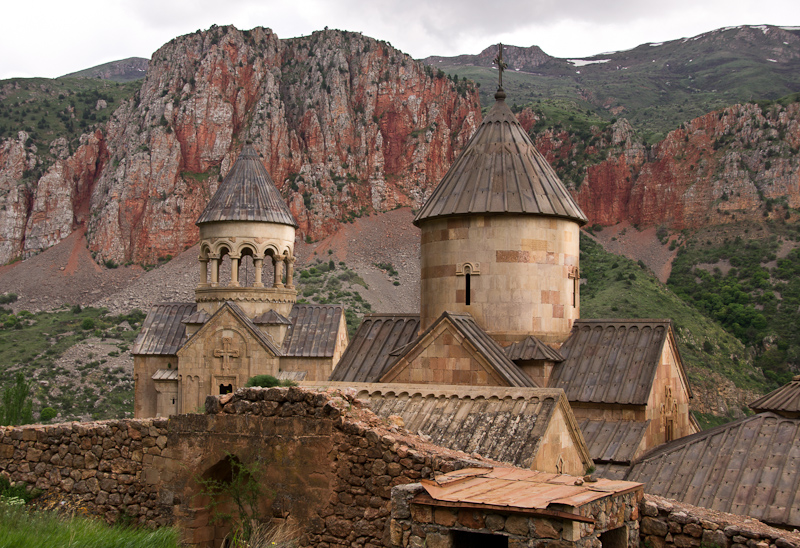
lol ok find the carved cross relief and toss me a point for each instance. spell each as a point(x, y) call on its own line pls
point(226, 352)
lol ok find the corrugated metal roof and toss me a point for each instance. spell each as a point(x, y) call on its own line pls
point(165, 375)
point(367, 357)
point(481, 342)
point(247, 193)
point(611, 361)
point(749, 467)
point(271, 318)
point(313, 331)
point(163, 332)
point(515, 488)
point(532, 348)
point(613, 441)
point(784, 400)
point(500, 171)
point(503, 424)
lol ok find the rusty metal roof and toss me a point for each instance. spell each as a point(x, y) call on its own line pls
point(163, 331)
point(518, 489)
point(500, 171)
point(367, 357)
point(313, 331)
point(532, 348)
point(611, 361)
point(481, 342)
point(784, 401)
point(748, 467)
point(271, 318)
point(247, 193)
point(165, 375)
point(503, 424)
point(613, 441)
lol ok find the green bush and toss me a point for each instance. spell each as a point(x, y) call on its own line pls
point(18, 490)
point(47, 414)
point(8, 298)
point(87, 324)
point(268, 381)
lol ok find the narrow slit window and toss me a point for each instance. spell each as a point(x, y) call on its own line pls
point(466, 296)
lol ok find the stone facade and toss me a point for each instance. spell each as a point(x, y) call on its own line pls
point(522, 271)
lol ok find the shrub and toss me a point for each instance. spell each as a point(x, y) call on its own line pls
point(87, 324)
point(47, 414)
point(8, 298)
point(268, 381)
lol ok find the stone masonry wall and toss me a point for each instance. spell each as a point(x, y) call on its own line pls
point(331, 463)
point(667, 523)
point(100, 466)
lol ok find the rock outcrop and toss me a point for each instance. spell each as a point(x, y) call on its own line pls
point(739, 163)
point(346, 125)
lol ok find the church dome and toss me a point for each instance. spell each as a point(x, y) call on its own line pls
point(500, 172)
point(247, 193)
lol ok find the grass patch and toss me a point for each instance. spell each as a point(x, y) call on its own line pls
point(22, 528)
point(325, 283)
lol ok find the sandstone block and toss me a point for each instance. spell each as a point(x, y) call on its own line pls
point(685, 541)
point(655, 527)
point(517, 525)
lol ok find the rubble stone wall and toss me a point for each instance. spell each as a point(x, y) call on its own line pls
point(667, 523)
point(101, 467)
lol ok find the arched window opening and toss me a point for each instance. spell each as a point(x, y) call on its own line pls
point(247, 269)
point(467, 284)
point(268, 269)
point(224, 266)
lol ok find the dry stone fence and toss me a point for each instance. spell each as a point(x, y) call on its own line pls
point(325, 460)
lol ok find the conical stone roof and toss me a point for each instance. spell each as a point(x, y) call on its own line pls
point(247, 194)
point(499, 172)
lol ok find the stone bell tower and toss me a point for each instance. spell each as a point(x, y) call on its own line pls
point(247, 221)
point(500, 237)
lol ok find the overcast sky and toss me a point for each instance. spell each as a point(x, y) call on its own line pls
point(50, 38)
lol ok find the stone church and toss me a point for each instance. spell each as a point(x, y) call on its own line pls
point(244, 321)
point(500, 307)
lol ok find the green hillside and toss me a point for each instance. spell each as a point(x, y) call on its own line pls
point(617, 287)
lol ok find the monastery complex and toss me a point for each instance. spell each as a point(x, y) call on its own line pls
point(498, 363)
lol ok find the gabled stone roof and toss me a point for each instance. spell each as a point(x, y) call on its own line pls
point(612, 361)
point(247, 193)
point(784, 401)
point(271, 317)
point(747, 467)
point(477, 340)
point(532, 348)
point(313, 330)
point(239, 314)
point(500, 171)
point(613, 441)
point(163, 331)
point(369, 354)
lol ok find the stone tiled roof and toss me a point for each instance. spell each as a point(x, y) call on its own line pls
point(504, 424)
point(748, 467)
point(368, 356)
point(165, 375)
point(239, 314)
point(247, 193)
point(500, 171)
point(271, 317)
point(532, 348)
point(785, 400)
point(613, 441)
point(611, 361)
point(313, 331)
point(163, 331)
point(481, 342)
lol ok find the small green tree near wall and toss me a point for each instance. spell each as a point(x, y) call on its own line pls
point(234, 491)
point(16, 406)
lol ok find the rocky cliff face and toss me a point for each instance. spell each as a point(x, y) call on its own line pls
point(740, 163)
point(346, 125)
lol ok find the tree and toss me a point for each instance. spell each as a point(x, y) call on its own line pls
point(16, 406)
